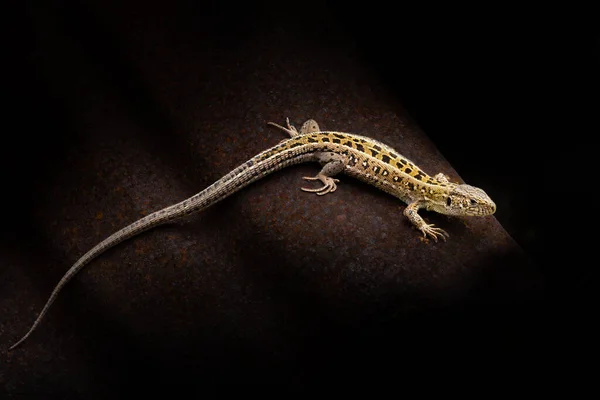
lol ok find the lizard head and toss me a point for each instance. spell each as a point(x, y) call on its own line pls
point(468, 201)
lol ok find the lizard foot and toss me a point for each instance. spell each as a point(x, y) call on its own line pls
point(428, 229)
point(442, 178)
point(329, 185)
point(291, 129)
point(290, 126)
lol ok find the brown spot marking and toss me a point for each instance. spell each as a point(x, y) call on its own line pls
point(376, 147)
point(338, 141)
point(348, 143)
point(376, 169)
point(385, 158)
point(407, 170)
point(374, 152)
point(339, 136)
point(420, 177)
point(311, 139)
point(360, 147)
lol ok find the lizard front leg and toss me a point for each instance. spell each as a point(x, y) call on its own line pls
point(411, 212)
point(334, 164)
point(442, 178)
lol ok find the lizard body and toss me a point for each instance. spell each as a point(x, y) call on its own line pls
point(357, 156)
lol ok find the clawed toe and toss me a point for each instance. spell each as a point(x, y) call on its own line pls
point(435, 233)
point(291, 129)
point(290, 126)
point(329, 185)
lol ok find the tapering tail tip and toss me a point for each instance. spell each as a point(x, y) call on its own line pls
point(14, 346)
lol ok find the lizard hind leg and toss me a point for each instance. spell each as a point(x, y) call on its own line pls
point(334, 165)
point(291, 129)
point(310, 126)
point(329, 184)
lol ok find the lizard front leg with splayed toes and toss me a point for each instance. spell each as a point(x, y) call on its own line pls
point(442, 177)
point(411, 212)
point(335, 164)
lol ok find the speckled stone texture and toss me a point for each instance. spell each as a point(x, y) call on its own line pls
point(145, 105)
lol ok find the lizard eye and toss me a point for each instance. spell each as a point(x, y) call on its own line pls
point(473, 202)
point(449, 201)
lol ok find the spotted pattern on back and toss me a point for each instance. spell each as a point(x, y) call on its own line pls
point(392, 161)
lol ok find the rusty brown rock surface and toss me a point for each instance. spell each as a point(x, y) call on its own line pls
point(273, 284)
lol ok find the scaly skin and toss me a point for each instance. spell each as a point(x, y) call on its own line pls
point(358, 156)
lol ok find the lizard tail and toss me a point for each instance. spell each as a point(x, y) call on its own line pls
point(268, 161)
point(143, 224)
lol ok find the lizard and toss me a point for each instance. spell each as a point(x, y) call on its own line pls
point(357, 156)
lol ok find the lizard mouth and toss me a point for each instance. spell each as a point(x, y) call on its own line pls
point(489, 209)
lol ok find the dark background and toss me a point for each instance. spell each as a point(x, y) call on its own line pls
point(489, 87)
